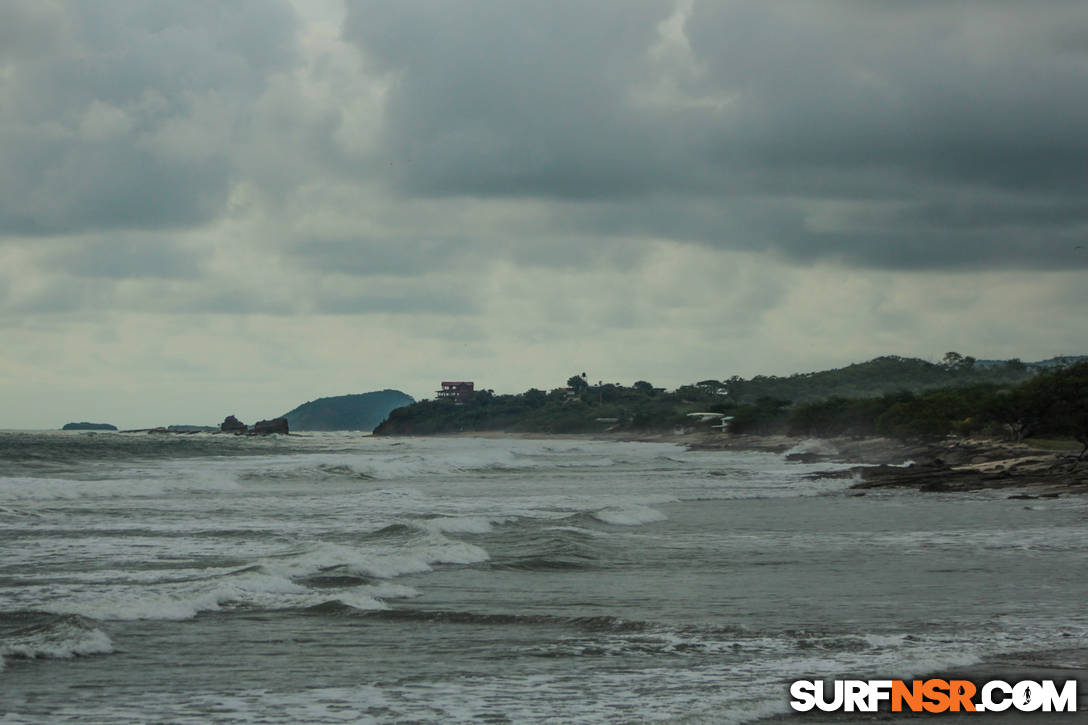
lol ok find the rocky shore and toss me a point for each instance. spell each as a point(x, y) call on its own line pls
point(971, 465)
point(952, 465)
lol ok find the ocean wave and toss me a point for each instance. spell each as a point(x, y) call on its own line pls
point(465, 524)
point(577, 530)
point(547, 563)
point(383, 563)
point(38, 635)
point(603, 623)
point(629, 516)
point(29, 488)
point(250, 590)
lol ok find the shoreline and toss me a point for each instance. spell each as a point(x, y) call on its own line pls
point(954, 465)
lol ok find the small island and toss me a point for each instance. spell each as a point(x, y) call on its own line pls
point(88, 426)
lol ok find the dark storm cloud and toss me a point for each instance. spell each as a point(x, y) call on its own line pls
point(515, 98)
point(901, 135)
point(93, 133)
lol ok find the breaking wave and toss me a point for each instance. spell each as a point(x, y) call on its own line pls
point(36, 635)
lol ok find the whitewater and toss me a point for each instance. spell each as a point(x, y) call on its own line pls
point(343, 578)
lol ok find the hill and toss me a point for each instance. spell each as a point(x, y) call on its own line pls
point(886, 396)
point(1053, 362)
point(880, 376)
point(362, 411)
point(88, 426)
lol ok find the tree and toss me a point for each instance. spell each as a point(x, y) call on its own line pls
point(1016, 365)
point(643, 387)
point(958, 363)
point(952, 360)
point(535, 398)
point(1067, 389)
point(1014, 411)
point(577, 383)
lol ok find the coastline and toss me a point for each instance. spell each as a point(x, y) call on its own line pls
point(954, 465)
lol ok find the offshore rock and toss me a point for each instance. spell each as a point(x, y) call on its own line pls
point(267, 427)
point(89, 426)
point(231, 424)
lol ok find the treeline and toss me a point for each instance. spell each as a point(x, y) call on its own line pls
point(888, 374)
point(1052, 404)
point(575, 409)
point(1010, 400)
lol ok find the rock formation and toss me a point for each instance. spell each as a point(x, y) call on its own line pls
point(267, 427)
point(231, 424)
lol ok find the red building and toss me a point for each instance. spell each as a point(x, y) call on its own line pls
point(457, 391)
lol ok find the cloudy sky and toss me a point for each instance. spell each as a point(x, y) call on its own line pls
point(211, 208)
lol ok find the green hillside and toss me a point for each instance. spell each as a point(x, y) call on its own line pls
point(362, 411)
point(901, 397)
point(880, 376)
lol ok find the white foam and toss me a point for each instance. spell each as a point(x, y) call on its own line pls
point(23, 488)
point(885, 640)
point(464, 524)
point(382, 562)
point(577, 530)
point(250, 589)
point(630, 516)
point(388, 590)
point(60, 642)
point(815, 446)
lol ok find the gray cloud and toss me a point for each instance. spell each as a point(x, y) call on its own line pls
point(125, 259)
point(413, 300)
point(657, 189)
point(124, 122)
point(953, 131)
point(397, 256)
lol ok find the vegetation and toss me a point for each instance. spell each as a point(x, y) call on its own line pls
point(347, 412)
point(1011, 399)
point(1052, 404)
point(580, 408)
point(889, 374)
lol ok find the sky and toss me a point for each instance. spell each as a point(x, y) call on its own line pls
point(214, 208)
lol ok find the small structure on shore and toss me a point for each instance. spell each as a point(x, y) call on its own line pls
point(458, 391)
point(723, 420)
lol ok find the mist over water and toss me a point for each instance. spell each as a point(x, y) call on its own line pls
point(341, 578)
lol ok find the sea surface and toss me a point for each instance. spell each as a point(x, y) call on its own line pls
point(340, 578)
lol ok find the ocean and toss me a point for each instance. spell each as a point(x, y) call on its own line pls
point(341, 578)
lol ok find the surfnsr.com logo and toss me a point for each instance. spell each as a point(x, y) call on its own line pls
point(934, 696)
